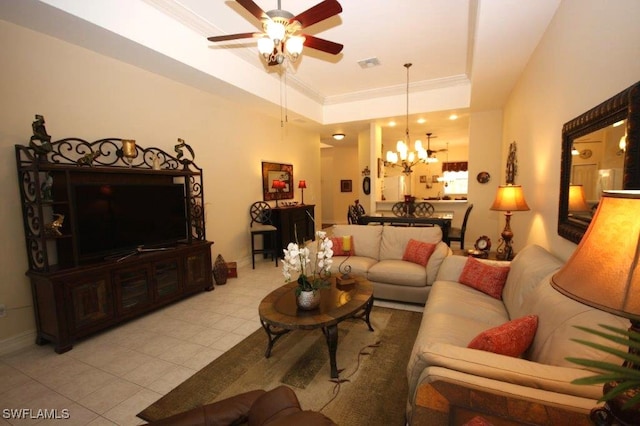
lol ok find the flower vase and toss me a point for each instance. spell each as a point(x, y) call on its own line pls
point(308, 300)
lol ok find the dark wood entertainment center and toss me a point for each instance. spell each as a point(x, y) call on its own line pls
point(75, 295)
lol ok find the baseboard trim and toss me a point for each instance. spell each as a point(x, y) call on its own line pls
point(18, 342)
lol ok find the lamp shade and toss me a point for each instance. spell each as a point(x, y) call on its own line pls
point(577, 201)
point(302, 184)
point(278, 184)
point(603, 271)
point(510, 198)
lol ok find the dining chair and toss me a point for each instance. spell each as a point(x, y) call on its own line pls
point(261, 224)
point(457, 234)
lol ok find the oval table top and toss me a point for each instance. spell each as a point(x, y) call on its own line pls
point(337, 302)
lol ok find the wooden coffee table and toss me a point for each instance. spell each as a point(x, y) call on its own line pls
point(279, 313)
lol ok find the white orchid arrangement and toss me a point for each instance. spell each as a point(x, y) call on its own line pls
point(311, 277)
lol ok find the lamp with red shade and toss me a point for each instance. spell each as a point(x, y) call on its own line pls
point(302, 185)
point(278, 185)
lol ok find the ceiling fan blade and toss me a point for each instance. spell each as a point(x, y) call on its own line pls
point(322, 44)
point(253, 9)
point(317, 13)
point(231, 37)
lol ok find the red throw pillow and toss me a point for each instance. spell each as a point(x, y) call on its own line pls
point(418, 252)
point(338, 246)
point(487, 278)
point(512, 338)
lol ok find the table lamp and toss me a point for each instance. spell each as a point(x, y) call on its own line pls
point(509, 198)
point(577, 200)
point(302, 185)
point(604, 273)
point(278, 185)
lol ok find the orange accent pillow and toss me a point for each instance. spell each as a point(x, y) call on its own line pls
point(512, 338)
point(487, 278)
point(418, 252)
point(338, 246)
point(478, 421)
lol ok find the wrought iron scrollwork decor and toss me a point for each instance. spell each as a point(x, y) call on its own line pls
point(34, 165)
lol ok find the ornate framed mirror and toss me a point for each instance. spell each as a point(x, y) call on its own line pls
point(600, 151)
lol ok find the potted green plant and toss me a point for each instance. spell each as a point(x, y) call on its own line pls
point(621, 389)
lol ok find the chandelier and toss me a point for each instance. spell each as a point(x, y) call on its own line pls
point(403, 157)
point(279, 42)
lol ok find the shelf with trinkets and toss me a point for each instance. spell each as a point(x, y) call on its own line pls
point(80, 282)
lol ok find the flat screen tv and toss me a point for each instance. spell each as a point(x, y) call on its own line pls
point(116, 218)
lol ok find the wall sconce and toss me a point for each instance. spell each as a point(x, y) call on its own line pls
point(622, 145)
point(302, 185)
point(129, 150)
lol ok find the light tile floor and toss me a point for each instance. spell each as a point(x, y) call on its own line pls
point(110, 377)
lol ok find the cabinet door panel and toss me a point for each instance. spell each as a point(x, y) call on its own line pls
point(92, 302)
point(198, 271)
point(166, 274)
point(134, 289)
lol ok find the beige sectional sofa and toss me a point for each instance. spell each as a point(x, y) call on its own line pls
point(378, 256)
point(455, 313)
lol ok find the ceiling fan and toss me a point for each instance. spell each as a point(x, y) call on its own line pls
point(281, 37)
point(430, 151)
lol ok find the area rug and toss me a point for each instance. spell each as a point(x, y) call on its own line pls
point(371, 389)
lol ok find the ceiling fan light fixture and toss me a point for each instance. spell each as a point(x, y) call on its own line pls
point(265, 46)
point(276, 31)
point(294, 46)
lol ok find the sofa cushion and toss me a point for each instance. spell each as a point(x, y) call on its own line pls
point(511, 339)
point(489, 279)
point(558, 315)
point(398, 272)
point(528, 269)
point(339, 246)
point(366, 239)
point(395, 239)
point(418, 252)
point(455, 314)
point(441, 252)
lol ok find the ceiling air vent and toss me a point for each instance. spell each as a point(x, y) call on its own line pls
point(369, 63)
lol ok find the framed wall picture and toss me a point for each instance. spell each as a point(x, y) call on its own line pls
point(346, 185)
point(277, 172)
point(423, 179)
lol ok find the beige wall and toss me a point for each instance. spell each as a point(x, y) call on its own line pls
point(87, 95)
point(590, 52)
point(339, 163)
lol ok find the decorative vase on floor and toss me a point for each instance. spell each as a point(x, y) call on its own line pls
point(308, 300)
point(220, 270)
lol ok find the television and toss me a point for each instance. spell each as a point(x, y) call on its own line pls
point(120, 218)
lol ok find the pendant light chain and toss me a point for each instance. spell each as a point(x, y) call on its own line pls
point(284, 118)
point(407, 66)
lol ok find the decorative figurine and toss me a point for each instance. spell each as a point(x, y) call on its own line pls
point(512, 164)
point(178, 149)
point(53, 228)
point(46, 186)
point(155, 161)
point(87, 159)
point(40, 134)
